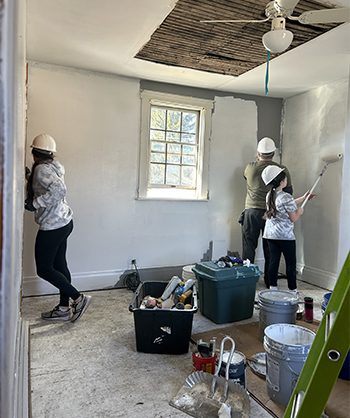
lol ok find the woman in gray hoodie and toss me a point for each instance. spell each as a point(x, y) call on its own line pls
point(46, 196)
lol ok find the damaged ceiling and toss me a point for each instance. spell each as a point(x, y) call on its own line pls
point(222, 48)
point(107, 35)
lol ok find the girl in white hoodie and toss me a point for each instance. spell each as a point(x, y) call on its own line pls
point(46, 196)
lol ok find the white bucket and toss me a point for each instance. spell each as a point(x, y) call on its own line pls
point(287, 347)
point(188, 274)
point(276, 307)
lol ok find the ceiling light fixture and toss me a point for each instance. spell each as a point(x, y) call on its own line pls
point(278, 38)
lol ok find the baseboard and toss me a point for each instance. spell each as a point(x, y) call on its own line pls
point(312, 275)
point(35, 286)
point(22, 371)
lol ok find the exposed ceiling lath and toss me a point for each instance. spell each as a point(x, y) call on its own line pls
point(223, 48)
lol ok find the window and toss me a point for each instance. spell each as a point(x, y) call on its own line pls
point(174, 147)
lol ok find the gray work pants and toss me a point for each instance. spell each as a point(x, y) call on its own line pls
point(254, 224)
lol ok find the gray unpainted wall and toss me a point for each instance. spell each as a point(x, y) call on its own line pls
point(95, 119)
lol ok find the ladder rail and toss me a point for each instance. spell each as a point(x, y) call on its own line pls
point(327, 354)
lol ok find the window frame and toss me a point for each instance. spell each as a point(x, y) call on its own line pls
point(172, 101)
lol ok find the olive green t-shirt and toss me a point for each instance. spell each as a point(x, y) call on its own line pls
point(256, 188)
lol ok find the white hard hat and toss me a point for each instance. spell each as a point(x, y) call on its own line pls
point(270, 172)
point(44, 142)
point(266, 146)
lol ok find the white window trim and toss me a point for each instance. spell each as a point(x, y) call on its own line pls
point(204, 106)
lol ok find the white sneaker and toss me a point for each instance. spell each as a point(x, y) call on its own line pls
point(297, 294)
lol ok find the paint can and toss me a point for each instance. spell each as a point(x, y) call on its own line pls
point(276, 307)
point(345, 370)
point(287, 347)
point(237, 367)
point(205, 364)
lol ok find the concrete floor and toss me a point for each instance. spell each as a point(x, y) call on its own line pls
point(91, 368)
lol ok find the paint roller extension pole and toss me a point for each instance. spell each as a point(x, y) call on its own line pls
point(328, 159)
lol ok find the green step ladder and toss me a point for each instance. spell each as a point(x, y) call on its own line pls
point(327, 355)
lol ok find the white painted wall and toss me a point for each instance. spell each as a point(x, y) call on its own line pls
point(315, 126)
point(95, 119)
point(231, 150)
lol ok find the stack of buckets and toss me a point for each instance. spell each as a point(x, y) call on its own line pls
point(286, 344)
point(188, 274)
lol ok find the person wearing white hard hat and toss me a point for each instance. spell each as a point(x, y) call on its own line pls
point(46, 197)
point(251, 218)
point(281, 213)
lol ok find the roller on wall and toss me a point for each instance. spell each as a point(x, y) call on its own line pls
point(329, 159)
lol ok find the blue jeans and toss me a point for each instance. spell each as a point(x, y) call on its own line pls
point(51, 262)
point(288, 249)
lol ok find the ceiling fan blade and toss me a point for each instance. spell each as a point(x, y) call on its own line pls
point(325, 16)
point(286, 5)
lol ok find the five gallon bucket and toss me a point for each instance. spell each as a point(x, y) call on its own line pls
point(276, 307)
point(287, 347)
point(345, 370)
point(236, 369)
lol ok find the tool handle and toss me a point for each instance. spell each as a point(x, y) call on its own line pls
point(227, 338)
point(312, 189)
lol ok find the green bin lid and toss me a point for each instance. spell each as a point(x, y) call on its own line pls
point(210, 268)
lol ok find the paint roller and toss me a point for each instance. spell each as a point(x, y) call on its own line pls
point(329, 159)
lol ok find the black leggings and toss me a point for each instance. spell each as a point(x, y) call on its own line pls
point(51, 263)
point(288, 249)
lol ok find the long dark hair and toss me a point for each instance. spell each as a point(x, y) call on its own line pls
point(41, 158)
point(271, 200)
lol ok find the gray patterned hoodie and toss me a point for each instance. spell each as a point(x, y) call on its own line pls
point(52, 211)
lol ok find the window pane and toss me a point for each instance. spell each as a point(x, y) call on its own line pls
point(157, 173)
point(173, 159)
point(189, 122)
point(158, 118)
point(189, 160)
point(188, 177)
point(174, 120)
point(156, 146)
point(188, 138)
point(157, 158)
point(174, 148)
point(173, 136)
point(188, 149)
point(173, 174)
point(157, 135)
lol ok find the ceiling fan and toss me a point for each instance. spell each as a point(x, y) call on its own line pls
point(278, 39)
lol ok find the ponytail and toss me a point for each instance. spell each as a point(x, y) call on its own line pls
point(271, 204)
point(271, 197)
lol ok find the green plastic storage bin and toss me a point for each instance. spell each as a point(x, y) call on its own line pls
point(226, 294)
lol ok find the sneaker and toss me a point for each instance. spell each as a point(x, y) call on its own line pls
point(56, 314)
point(80, 307)
point(297, 294)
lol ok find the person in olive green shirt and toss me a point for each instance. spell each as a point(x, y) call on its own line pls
point(255, 204)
